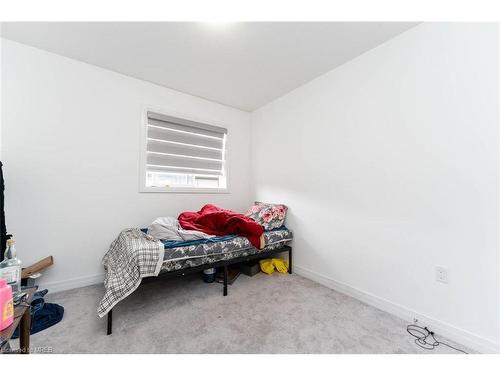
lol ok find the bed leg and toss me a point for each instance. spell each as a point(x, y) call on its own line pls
point(110, 322)
point(290, 260)
point(225, 281)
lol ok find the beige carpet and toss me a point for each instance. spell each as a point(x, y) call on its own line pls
point(263, 314)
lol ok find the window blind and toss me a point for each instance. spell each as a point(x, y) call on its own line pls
point(180, 146)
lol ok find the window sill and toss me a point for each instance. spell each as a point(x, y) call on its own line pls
point(183, 190)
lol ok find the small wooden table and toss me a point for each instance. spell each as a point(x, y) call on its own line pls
point(22, 318)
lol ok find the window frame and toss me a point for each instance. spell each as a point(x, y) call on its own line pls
point(178, 189)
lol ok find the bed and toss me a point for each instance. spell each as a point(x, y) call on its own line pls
point(178, 258)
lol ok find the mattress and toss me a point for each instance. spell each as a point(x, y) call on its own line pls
point(218, 249)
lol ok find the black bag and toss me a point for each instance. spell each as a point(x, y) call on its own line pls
point(3, 229)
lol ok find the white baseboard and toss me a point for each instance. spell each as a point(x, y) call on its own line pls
point(77, 282)
point(459, 335)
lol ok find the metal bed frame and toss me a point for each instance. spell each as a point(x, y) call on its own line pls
point(224, 264)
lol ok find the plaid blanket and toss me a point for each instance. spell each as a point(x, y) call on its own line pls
point(131, 257)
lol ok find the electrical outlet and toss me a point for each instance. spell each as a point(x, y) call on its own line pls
point(442, 274)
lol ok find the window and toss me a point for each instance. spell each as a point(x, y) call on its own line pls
point(183, 155)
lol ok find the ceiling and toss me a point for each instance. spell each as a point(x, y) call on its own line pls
point(243, 65)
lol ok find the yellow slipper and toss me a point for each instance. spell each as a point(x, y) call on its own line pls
point(280, 265)
point(266, 266)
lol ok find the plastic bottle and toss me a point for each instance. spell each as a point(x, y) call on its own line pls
point(6, 305)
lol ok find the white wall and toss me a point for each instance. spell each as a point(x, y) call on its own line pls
point(389, 164)
point(71, 139)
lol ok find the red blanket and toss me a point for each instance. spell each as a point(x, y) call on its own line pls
point(219, 222)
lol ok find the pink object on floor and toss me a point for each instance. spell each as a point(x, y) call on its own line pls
point(6, 305)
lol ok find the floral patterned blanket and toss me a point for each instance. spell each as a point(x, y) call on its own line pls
point(197, 254)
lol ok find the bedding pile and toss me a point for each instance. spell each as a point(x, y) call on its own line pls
point(169, 229)
point(214, 220)
point(131, 257)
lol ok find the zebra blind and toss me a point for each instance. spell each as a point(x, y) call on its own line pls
point(180, 146)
